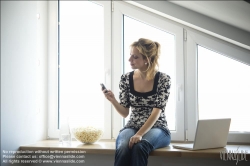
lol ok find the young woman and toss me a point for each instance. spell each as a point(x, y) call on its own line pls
point(145, 90)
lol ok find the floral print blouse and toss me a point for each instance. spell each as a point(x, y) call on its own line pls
point(142, 104)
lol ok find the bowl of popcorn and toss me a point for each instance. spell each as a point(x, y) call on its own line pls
point(87, 134)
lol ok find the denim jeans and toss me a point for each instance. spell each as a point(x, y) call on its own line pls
point(138, 154)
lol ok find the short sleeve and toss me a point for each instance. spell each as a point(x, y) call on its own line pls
point(163, 91)
point(124, 91)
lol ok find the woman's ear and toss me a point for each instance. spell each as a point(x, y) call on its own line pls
point(146, 61)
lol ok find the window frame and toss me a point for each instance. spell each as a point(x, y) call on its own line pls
point(114, 67)
point(195, 38)
point(123, 8)
point(53, 43)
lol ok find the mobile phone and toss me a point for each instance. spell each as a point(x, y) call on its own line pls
point(104, 88)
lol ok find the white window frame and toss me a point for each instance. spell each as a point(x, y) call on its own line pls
point(195, 38)
point(187, 68)
point(53, 131)
point(122, 8)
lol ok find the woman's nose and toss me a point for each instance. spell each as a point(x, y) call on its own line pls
point(129, 59)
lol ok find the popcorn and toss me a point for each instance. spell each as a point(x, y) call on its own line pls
point(87, 134)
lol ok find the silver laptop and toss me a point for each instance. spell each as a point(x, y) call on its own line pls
point(210, 133)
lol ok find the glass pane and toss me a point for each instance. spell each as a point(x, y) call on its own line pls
point(81, 52)
point(223, 89)
point(133, 30)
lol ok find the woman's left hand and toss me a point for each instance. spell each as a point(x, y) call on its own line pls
point(135, 139)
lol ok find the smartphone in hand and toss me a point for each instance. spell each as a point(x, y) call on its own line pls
point(104, 88)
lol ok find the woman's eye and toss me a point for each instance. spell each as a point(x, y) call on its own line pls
point(135, 57)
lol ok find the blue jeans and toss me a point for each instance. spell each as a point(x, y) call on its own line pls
point(138, 154)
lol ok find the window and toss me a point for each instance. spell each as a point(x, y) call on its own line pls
point(104, 41)
point(223, 89)
point(83, 62)
point(81, 33)
point(133, 23)
point(217, 84)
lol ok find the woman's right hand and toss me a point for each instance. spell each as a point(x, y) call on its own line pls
point(109, 95)
point(119, 108)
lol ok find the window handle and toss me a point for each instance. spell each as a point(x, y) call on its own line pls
point(179, 88)
point(107, 72)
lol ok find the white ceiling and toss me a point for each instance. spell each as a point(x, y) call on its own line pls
point(235, 13)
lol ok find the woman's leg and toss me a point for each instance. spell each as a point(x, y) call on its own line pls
point(155, 138)
point(123, 153)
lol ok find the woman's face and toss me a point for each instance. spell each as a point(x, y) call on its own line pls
point(136, 60)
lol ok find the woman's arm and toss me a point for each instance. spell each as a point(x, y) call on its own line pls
point(123, 111)
point(146, 127)
point(121, 107)
point(150, 122)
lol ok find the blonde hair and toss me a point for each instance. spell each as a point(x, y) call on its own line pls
point(150, 50)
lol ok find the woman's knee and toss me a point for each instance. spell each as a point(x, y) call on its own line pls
point(124, 137)
point(142, 147)
point(122, 144)
point(158, 138)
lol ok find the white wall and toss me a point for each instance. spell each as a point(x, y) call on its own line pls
point(23, 81)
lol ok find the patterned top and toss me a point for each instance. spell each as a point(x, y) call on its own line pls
point(141, 103)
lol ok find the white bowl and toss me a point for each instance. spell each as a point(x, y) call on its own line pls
point(87, 134)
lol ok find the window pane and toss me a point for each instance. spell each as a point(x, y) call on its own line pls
point(81, 61)
point(223, 89)
point(133, 30)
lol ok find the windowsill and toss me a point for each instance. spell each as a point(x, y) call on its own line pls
point(108, 147)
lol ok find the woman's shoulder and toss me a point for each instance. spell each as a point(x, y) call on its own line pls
point(126, 75)
point(163, 76)
point(164, 79)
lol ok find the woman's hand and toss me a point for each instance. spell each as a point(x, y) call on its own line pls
point(109, 95)
point(123, 111)
point(135, 139)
